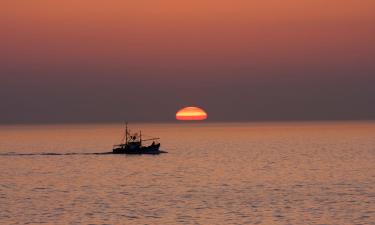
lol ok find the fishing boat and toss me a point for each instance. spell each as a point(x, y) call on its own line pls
point(133, 144)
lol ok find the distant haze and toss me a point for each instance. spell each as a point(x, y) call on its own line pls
point(109, 61)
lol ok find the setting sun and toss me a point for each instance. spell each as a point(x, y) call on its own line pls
point(191, 113)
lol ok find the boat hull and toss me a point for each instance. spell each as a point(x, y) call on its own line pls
point(152, 150)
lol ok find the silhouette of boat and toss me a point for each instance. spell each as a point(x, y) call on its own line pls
point(133, 144)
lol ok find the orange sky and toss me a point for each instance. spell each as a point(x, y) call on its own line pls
point(168, 31)
point(72, 45)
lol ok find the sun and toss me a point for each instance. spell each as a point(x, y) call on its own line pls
point(191, 113)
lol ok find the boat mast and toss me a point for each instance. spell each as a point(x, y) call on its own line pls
point(126, 133)
point(140, 137)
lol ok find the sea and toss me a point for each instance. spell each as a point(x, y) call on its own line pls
point(213, 173)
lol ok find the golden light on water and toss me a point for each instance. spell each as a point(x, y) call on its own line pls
point(191, 113)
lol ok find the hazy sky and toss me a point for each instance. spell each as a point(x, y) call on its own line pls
point(142, 60)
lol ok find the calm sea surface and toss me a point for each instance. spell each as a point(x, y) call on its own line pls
point(251, 173)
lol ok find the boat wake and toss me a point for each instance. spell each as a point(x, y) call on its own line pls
point(53, 154)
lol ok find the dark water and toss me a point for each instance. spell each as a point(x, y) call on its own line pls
point(253, 173)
